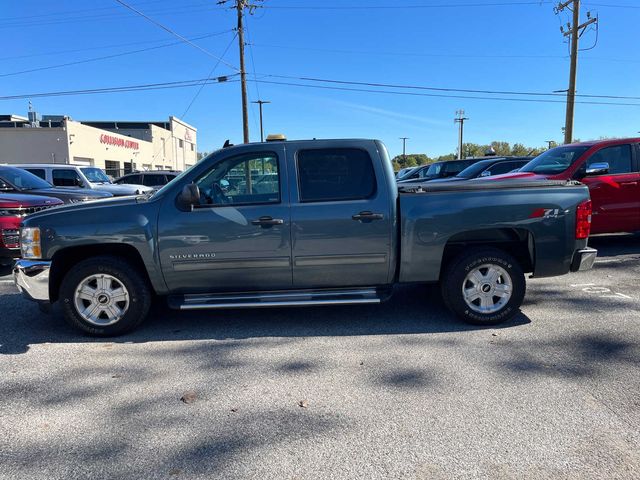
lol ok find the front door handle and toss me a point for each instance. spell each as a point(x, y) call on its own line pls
point(267, 222)
point(629, 184)
point(367, 216)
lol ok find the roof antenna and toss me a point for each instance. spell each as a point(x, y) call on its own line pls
point(227, 144)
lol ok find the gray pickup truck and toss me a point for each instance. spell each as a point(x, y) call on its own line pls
point(299, 223)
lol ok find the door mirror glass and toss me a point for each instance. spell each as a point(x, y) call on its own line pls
point(189, 197)
point(600, 168)
point(486, 173)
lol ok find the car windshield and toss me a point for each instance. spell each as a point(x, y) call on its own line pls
point(23, 180)
point(95, 175)
point(555, 161)
point(434, 169)
point(474, 170)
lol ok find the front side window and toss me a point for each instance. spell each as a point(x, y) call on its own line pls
point(618, 158)
point(335, 174)
point(66, 177)
point(130, 180)
point(243, 180)
point(500, 168)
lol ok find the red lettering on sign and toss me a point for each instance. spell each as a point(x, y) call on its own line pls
point(119, 142)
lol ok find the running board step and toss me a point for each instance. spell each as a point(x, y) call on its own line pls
point(290, 298)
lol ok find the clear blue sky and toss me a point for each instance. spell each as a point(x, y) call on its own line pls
point(434, 43)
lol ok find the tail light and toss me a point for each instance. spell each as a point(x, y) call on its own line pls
point(583, 220)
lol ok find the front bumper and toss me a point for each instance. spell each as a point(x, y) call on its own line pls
point(32, 279)
point(584, 259)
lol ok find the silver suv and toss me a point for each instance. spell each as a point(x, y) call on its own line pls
point(76, 176)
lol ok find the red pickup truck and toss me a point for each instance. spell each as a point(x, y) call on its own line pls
point(611, 170)
point(13, 208)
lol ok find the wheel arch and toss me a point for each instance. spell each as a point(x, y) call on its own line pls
point(64, 260)
point(518, 242)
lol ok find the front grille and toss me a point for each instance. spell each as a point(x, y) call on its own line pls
point(24, 211)
point(11, 238)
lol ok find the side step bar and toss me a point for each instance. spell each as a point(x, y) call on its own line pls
point(289, 298)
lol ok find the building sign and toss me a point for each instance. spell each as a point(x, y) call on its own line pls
point(119, 142)
point(187, 136)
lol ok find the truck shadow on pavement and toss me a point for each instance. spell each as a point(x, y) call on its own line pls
point(411, 310)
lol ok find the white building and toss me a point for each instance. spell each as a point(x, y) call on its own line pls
point(118, 147)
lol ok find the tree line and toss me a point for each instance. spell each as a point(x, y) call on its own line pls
point(468, 150)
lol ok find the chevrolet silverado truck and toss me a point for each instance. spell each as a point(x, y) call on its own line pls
point(300, 223)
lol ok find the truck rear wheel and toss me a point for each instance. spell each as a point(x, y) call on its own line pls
point(105, 296)
point(484, 286)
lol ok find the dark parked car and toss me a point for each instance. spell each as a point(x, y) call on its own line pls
point(16, 180)
point(403, 172)
point(488, 168)
point(155, 179)
point(449, 168)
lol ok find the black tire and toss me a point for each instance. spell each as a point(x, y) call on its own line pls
point(453, 282)
point(136, 285)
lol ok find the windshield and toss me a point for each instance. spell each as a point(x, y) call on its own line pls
point(554, 161)
point(433, 170)
point(22, 180)
point(474, 170)
point(95, 175)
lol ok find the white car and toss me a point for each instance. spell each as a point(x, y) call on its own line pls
point(76, 176)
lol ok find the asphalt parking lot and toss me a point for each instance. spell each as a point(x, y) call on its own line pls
point(401, 390)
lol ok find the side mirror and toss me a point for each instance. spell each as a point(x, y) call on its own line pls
point(78, 182)
point(486, 173)
point(598, 169)
point(189, 196)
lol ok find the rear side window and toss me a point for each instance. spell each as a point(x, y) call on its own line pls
point(131, 179)
point(335, 174)
point(38, 172)
point(618, 158)
point(153, 180)
point(66, 178)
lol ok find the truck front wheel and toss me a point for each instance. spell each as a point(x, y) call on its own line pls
point(484, 286)
point(105, 296)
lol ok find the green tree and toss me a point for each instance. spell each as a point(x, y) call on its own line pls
point(411, 160)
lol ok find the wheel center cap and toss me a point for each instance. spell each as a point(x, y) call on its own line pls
point(486, 288)
point(102, 299)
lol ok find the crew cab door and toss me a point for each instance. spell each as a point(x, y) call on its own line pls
point(341, 217)
point(616, 194)
point(239, 237)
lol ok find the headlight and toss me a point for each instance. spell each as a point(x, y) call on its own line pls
point(30, 243)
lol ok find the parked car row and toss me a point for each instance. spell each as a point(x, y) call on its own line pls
point(610, 168)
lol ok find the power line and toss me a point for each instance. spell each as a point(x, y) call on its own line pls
point(175, 34)
point(415, 6)
point(208, 77)
point(106, 57)
point(417, 94)
point(445, 89)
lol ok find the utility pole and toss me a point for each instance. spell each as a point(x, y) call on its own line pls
point(549, 143)
point(574, 30)
point(260, 103)
point(404, 150)
point(243, 73)
point(460, 119)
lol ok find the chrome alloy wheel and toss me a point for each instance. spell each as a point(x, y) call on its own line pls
point(487, 288)
point(101, 299)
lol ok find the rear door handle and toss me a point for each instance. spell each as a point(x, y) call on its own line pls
point(266, 222)
point(629, 184)
point(367, 216)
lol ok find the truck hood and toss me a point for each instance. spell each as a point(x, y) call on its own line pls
point(121, 190)
point(71, 194)
point(17, 200)
point(93, 208)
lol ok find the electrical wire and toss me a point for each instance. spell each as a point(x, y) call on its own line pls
point(414, 6)
point(106, 57)
point(204, 82)
point(184, 39)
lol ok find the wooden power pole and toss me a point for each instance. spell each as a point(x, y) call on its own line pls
point(240, 4)
point(575, 30)
point(460, 119)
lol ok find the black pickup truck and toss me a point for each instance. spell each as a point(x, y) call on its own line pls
point(299, 223)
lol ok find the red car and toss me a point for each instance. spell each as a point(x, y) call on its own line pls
point(13, 208)
point(611, 170)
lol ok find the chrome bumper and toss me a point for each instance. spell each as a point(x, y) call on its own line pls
point(584, 259)
point(32, 279)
